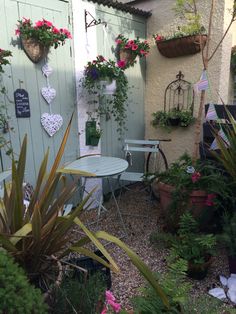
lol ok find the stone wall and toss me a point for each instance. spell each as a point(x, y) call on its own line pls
point(161, 71)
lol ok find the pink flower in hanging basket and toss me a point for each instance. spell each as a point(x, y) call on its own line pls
point(134, 47)
point(42, 31)
point(195, 176)
point(121, 64)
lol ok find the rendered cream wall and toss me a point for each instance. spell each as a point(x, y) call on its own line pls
point(161, 71)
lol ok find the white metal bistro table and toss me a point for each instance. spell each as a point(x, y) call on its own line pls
point(100, 167)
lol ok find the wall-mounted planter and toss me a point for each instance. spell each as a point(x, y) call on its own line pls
point(34, 50)
point(183, 46)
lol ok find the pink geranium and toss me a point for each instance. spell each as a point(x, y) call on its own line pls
point(130, 42)
point(159, 38)
point(210, 199)
point(55, 30)
point(195, 176)
point(39, 24)
point(121, 64)
point(109, 296)
point(17, 32)
point(115, 306)
point(134, 47)
point(143, 52)
point(118, 41)
point(47, 23)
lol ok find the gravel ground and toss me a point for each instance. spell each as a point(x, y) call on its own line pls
point(126, 283)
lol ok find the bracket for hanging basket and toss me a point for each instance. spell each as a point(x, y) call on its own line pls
point(182, 46)
point(34, 50)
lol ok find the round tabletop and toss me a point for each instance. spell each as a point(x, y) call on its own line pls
point(99, 166)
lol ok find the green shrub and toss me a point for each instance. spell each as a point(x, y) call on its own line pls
point(74, 296)
point(17, 296)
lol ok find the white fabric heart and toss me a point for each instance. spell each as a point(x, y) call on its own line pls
point(48, 94)
point(47, 70)
point(51, 122)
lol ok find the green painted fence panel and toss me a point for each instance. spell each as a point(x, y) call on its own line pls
point(24, 74)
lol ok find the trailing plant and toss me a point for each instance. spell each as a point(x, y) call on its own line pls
point(135, 47)
point(43, 31)
point(101, 69)
point(16, 294)
point(191, 245)
point(4, 118)
point(38, 237)
point(97, 133)
point(4, 54)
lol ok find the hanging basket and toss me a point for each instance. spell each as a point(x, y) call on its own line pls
point(34, 50)
point(127, 56)
point(182, 46)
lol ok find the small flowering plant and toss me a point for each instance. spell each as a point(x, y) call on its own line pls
point(4, 54)
point(43, 31)
point(135, 47)
point(100, 69)
point(111, 306)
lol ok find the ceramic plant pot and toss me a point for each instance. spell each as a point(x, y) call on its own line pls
point(34, 50)
point(177, 47)
point(197, 199)
point(199, 271)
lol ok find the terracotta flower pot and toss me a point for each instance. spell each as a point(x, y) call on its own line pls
point(197, 199)
point(177, 47)
point(34, 50)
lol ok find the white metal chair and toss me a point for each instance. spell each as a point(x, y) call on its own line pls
point(132, 146)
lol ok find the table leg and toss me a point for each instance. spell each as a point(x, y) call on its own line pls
point(117, 206)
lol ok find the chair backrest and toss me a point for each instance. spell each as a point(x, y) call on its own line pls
point(141, 145)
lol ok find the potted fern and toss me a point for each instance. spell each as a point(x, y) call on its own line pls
point(197, 249)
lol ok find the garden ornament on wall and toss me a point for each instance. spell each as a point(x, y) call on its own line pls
point(128, 49)
point(50, 122)
point(37, 38)
point(178, 105)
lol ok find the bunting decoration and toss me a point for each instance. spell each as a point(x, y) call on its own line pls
point(202, 84)
point(211, 113)
point(222, 134)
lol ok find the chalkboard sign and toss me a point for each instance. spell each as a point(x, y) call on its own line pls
point(21, 98)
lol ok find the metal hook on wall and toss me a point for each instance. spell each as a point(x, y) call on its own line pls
point(93, 22)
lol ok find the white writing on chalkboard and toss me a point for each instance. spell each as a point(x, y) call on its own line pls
point(22, 105)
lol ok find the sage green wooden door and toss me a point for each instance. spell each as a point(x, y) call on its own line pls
point(130, 26)
point(24, 74)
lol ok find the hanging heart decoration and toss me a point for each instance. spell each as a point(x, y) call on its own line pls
point(47, 70)
point(51, 123)
point(48, 94)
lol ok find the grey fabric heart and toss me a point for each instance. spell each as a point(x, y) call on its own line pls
point(51, 123)
point(48, 94)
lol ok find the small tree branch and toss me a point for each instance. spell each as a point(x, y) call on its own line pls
point(223, 37)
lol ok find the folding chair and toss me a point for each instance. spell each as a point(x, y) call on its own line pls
point(132, 146)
